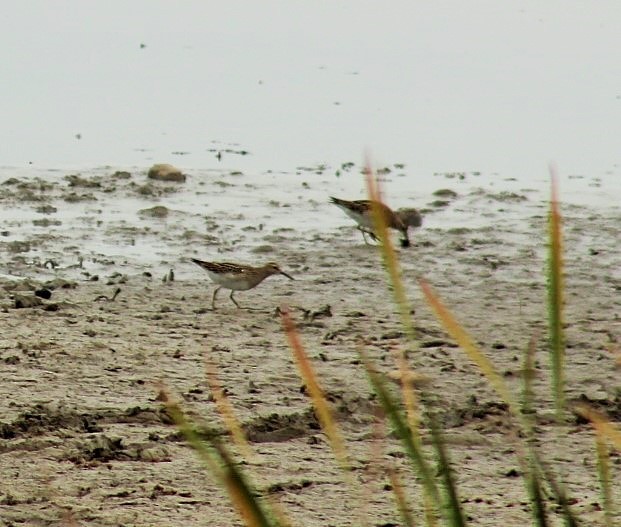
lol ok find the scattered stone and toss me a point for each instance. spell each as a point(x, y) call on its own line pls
point(159, 211)
point(109, 299)
point(44, 293)
point(263, 249)
point(121, 174)
point(355, 314)
point(12, 360)
point(153, 454)
point(46, 209)
point(445, 193)
point(11, 181)
point(45, 222)
point(60, 283)
point(18, 246)
point(508, 197)
point(392, 335)
point(75, 180)
point(323, 312)
point(433, 343)
point(166, 172)
point(25, 301)
point(74, 197)
point(146, 190)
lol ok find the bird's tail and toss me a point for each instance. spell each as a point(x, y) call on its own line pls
point(200, 263)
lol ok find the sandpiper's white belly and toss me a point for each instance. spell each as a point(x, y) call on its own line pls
point(364, 220)
point(234, 281)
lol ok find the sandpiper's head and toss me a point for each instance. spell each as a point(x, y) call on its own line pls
point(272, 268)
point(402, 227)
point(411, 217)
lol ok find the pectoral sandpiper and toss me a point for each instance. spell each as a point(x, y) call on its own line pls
point(237, 277)
point(362, 212)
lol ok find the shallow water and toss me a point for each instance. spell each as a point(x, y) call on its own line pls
point(440, 87)
point(224, 215)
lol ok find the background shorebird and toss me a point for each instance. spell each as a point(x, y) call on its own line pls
point(362, 212)
point(237, 277)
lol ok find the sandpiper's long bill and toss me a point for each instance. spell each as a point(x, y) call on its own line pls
point(361, 211)
point(237, 277)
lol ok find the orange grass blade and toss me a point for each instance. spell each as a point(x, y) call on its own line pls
point(555, 299)
point(319, 401)
point(402, 429)
point(225, 409)
point(400, 499)
point(602, 425)
point(322, 409)
point(391, 263)
point(456, 331)
point(387, 249)
point(453, 504)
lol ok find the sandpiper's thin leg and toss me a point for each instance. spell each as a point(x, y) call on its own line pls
point(213, 300)
point(364, 235)
point(373, 236)
point(370, 233)
point(233, 299)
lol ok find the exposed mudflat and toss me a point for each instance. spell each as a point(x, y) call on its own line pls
point(83, 437)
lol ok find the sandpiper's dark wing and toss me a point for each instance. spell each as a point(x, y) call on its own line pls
point(360, 206)
point(221, 267)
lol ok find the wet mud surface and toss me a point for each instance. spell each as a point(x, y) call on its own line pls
point(100, 305)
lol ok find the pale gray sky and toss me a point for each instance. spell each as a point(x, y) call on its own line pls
point(448, 85)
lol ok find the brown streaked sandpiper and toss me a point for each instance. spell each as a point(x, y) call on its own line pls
point(237, 277)
point(361, 211)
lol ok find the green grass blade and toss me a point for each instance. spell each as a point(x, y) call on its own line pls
point(225, 409)
point(453, 505)
point(411, 443)
point(605, 481)
point(223, 468)
point(555, 301)
point(534, 488)
point(604, 431)
point(528, 376)
point(530, 473)
point(560, 495)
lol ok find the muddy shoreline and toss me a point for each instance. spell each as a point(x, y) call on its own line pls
point(81, 429)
